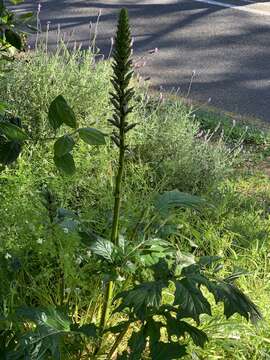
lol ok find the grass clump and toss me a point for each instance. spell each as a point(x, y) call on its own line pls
point(167, 141)
point(39, 77)
point(178, 152)
point(248, 132)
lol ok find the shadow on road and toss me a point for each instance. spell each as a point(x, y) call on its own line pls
point(229, 50)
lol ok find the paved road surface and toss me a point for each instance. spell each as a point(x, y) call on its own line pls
point(226, 43)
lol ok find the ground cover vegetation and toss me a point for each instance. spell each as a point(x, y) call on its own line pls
point(118, 237)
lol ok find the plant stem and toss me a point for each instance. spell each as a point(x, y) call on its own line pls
point(117, 343)
point(114, 234)
point(117, 193)
point(106, 305)
point(120, 98)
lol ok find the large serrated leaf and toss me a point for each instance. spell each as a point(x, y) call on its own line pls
point(103, 248)
point(190, 299)
point(61, 113)
point(179, 328)
point(137, 344)
point(50, 319)
point(235, 301)
point(89, 330)
point(141, 298)
point(153, 330)
point(176, 199)
point(168, 351)
point(51, 326)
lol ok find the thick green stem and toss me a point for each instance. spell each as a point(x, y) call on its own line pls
point(106, 305)
point(115, 227)
point(117, 195)
point(120, 99)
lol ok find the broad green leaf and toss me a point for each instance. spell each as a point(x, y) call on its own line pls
point(179, 328)
point(141, 298)
point(9, 152)
point(92, 136)
point(88, 237)
point(168, 351)
point(49, 319)
point(13, 39)
point(103, 248)
point(153, 331)
point(12, 132)
point(89, 330)
point(184, 260)
point(235, 301)
point(161, 271)
point(61, 113)
point(235, 275)
point(65, 163)
point(175, 199)
point(190, 299)
point(63, 145)
point(51, 325)
point(137, 343)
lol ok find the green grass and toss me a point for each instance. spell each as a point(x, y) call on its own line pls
point(168, 150)
point(248, 131)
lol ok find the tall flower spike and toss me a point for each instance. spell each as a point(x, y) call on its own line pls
point(120, 98)
point(122, 74)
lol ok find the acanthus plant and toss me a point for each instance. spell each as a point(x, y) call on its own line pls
point(157, 293)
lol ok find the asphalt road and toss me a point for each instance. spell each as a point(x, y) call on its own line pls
point(228, 49)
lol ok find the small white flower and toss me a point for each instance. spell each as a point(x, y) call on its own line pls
point(8, 256)
point(67, 291)
point(44, 317)
point(89, 253)
point(77, 290)
point(121, 278)
point(65, 230)
point(79, 260)
point(39, 241)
